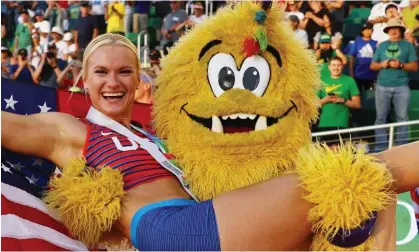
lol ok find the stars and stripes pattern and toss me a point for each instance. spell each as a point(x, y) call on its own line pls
point(26, 224)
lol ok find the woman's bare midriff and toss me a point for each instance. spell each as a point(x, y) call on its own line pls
point(140, 196)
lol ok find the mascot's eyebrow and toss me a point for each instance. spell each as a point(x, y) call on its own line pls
point(208, 46)
point(275, 53)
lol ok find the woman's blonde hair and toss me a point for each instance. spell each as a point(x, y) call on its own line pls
point(102, 40)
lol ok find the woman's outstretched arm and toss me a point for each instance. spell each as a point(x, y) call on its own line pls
point(403, 163)
point(47, 135)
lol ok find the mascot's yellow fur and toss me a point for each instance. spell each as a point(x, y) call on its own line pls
point(235, 99)
point(207, 80)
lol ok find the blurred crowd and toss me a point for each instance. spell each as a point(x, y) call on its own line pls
point(382, 58)
point(43, 43)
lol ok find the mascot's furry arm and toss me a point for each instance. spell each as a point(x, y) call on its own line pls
point(347, 189)
point(88, 201)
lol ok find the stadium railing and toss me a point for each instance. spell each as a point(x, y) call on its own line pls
point(143, 50)
point(413, 133)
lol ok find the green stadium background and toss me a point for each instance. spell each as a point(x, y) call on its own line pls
point(407, 233)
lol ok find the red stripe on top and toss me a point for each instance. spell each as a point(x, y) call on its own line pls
point(136, 164)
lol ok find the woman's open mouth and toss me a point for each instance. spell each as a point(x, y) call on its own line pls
point(113, 96)
point(238, 123)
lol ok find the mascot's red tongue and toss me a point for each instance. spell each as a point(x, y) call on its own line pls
point(239, 129)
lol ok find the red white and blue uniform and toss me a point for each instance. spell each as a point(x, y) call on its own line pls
point(175, 224)
point(105, 147)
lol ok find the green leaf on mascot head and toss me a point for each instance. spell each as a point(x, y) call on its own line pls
point(262, 39)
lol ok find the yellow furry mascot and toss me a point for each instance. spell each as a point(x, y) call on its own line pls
point(235, 99)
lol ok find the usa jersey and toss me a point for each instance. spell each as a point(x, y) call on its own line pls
point(105, 147)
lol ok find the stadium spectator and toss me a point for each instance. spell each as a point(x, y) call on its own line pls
point(39, 5)
point(57, 38)
point(73, 15)
point(331, 29)
point(4, 39)
point(339, 94)
point(21, 6)
point(410, 16)
point(23, 32)
point(361, 56)
point(140, 16)
point(87, 28)
point(293, 9)
point(314, 20)
point(56, 14)
point(300, 34)
point(50, 68)
point(143, 94)
point(39, 19)
point(129, 16)
point(198, 15)
point(22, 71)
point(44, 31)
point(11, 14)
point(6, 61)
point(36, 50)
point(393, 59)
point(70, 50)
point(379, 19)
point(170, 23)
point(415, 38)
point(67, 77)
point(98, 11)
point(155, 57)
point(336, 8)
point(327, 50)
point(114, 15)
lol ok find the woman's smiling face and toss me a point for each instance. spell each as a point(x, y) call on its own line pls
point(111, 79)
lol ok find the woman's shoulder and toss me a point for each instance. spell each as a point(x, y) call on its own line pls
point(62, 118)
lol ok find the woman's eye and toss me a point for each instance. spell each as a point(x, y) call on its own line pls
point(100, 71)
point(126, 71)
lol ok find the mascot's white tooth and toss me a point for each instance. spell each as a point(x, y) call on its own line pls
point(261, 123)
point(216, 125)
point(243, 116)
point(225, 117)
point(252, 116)
point(234, 116)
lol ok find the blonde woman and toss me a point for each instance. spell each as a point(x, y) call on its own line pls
point(157, 213)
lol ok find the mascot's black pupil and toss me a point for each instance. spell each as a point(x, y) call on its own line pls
point(251, 78)
point(226, 78)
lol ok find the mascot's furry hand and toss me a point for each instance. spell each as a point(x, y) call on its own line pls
point(347, 189)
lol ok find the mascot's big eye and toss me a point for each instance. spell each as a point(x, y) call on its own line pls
point(251, 78)
point(222, 73)
point(255, 74)
point(226, 78)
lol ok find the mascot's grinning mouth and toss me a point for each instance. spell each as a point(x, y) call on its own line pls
point(238, 123)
